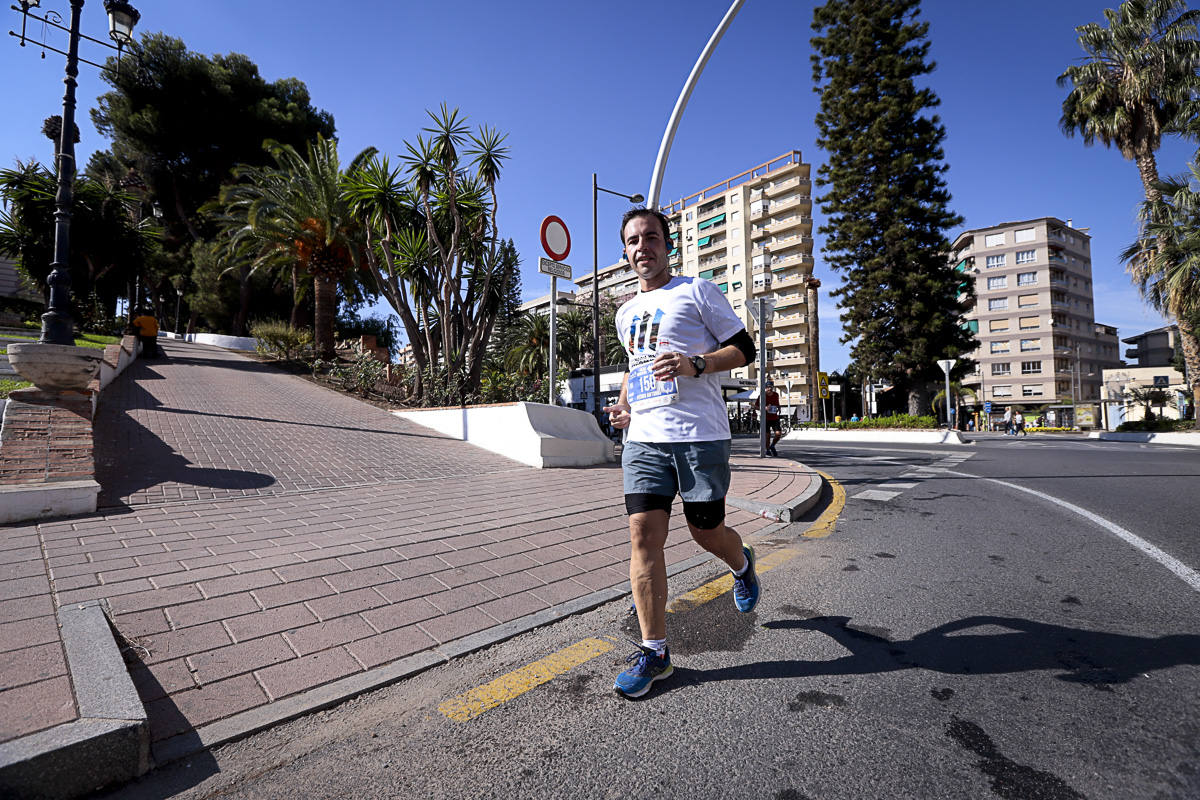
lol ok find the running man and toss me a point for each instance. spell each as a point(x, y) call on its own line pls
point(680, 334)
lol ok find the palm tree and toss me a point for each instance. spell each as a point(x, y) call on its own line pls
point(529, 349)
point(1166, 262)
point(1138, 74)
point(1150, 396)
point(294, 215)
point(959, 393)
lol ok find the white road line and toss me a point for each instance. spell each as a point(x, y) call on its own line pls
point(876, 494)
point(1182, 571)
point(895, 485)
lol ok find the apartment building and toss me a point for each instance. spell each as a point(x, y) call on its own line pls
point(751, 235)
point(1154, 348)
point(1034, 317)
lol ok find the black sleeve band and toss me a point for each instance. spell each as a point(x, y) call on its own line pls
point(742, 341)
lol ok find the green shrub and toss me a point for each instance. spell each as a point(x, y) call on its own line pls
point(360, 375)
point(1156, 425)
point(874, 423)
point(280, 340)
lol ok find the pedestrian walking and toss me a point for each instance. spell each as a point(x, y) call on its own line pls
point(680, 334)
point(1019, 424)
point(1008, 421)
point(147, 332)
point(774, 426)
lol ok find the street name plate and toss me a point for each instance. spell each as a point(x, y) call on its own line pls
point(555, 268)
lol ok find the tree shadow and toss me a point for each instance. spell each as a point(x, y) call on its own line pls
point(1095, 658)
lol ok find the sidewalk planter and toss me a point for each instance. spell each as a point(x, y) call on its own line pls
point(875, 435)
point(55, 366)
point(1145, 436)
point(536, 434)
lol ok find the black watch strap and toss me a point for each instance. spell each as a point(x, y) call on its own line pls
point(699, 364)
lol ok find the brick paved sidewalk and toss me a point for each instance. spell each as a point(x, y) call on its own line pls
point(336, 567)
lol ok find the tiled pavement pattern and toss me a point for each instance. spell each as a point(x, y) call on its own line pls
point(244, 599)
point(206, 423)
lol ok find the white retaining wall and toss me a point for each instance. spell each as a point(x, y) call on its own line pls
point(536, 434)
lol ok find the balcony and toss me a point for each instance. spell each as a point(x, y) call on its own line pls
point(789, 320)
point(798, 221)
point(793, 260)
point(791, 339)
point(788, 242)
point(785, 281)
point(785, 186)
point(795, 201)
point(789, 300)
point(788, 359)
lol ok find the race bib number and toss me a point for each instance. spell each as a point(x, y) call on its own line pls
point(643, 390)
point(773, 410)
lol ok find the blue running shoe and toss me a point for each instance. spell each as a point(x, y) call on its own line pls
point(648, 667)
point(745, 588)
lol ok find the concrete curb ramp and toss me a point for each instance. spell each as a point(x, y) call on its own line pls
point(108, 743)
point(1192, 439)
point(875, 435)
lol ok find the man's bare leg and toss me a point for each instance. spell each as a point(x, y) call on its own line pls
point(723, 542)
point(648, 571)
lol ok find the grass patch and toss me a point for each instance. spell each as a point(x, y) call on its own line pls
point(10, 385)
point(95, 341)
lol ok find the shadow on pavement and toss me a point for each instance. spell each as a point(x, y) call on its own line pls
point(356, 429)
point(1093, 658)
point(130, 458)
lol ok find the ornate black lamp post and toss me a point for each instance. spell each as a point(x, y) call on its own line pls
point(633, 198)
point(57, 325)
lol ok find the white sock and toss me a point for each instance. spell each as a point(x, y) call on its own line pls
point(740, 572)
point(657, 645)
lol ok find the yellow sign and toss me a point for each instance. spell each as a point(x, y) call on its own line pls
point(823, 385)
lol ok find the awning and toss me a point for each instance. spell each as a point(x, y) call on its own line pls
point(708, 223)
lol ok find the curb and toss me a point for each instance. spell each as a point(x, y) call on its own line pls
point(258, 719)
point(905, 437)
point(786, 513)
point(1183, 439)
point(108, 743)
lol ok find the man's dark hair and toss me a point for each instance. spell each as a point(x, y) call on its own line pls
point(647, 212)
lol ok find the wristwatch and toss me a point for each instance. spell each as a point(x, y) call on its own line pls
point(699, 363)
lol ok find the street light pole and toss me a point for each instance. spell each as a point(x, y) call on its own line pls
point(57, 325)
point(178, 298)
point(633, 198)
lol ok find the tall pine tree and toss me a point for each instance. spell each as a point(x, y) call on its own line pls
point(885, 200)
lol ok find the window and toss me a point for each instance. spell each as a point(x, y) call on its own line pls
point(972, 325)
point(998, 304)
point(1030, 344)
point(691, 248)
point(1026, 256)
point(1000, 347)
point(995, 261)
point(688, 216)
point(1026, 279)
point(736, 268)
point(1023, 235)
point(1027, 323)
point(733, 215)
point(737, 284)
point(1002, 391)
point(1031, 368)
point(1032, 391)
point(998, 325)
point(1027, 300)
point(1000, 282)
point(993, 240)
point(1002, 369)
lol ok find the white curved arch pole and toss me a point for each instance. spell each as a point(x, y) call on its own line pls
point(664, 149)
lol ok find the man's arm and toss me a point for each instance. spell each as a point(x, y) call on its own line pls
point(733, 353)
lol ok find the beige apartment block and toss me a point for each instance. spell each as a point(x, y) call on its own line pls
point(751, 235)
point(1040, 345)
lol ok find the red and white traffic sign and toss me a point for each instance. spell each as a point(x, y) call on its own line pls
point(556, 239)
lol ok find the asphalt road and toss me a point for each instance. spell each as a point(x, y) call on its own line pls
point(952, 637)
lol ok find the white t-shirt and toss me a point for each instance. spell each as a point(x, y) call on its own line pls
point(689, 316)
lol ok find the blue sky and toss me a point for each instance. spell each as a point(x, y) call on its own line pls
point(583, 87)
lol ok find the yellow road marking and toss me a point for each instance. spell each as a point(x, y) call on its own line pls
point(506, 687)
point(824, 525)
point(715, 588)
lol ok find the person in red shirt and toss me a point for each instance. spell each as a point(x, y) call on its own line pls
point(774, 427)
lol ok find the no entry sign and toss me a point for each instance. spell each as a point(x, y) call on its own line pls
point(556, 239)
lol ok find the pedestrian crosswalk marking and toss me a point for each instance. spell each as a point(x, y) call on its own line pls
point(876, 494)
point(516, 683)
point(897, 485)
